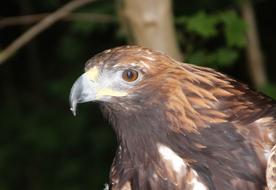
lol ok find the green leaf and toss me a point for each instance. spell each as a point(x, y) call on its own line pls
point(222, 57)
point(269, 89)
point(197, 57)
point(202, 24)
point(235, 29)
point(225, 56)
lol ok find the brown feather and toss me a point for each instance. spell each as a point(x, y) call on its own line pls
point(218, 126)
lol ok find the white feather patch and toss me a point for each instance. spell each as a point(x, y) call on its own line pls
point(171, 158)
point(179, 166)
point(196, 184)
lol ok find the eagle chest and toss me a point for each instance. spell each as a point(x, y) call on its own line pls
point(171, 172)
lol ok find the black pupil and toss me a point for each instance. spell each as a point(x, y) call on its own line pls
point(129, 74)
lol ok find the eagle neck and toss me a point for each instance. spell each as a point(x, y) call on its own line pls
point(138, 132)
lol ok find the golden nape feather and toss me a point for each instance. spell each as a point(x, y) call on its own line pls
point(179, 126)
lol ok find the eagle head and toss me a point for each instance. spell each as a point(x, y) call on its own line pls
point(125, 78)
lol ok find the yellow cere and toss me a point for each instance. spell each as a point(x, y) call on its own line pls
point(92, 73)
point(109, 92)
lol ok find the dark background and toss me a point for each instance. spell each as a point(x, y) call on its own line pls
point(42, 146)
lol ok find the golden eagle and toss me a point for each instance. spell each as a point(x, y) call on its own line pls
point(180, 126)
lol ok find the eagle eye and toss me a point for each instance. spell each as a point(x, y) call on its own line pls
point(130, 75)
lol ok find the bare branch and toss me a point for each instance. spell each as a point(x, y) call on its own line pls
point(30, 19)
point(41, 26)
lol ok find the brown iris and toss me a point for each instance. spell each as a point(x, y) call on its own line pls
point(130, 75)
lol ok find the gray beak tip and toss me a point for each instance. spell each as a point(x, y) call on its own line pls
point(73, 111)
point(82, 91)
point(73, 106)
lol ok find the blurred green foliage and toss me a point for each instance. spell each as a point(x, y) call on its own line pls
point(42, 146)
point(210, 27)
point(269, 89)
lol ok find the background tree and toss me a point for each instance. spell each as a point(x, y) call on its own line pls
point(150, 24)
point(254, 55)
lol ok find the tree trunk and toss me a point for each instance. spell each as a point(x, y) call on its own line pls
point(149, 23)
point(253, 50)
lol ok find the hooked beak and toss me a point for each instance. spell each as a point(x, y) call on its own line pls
point(83, 90)
point(88, 88)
